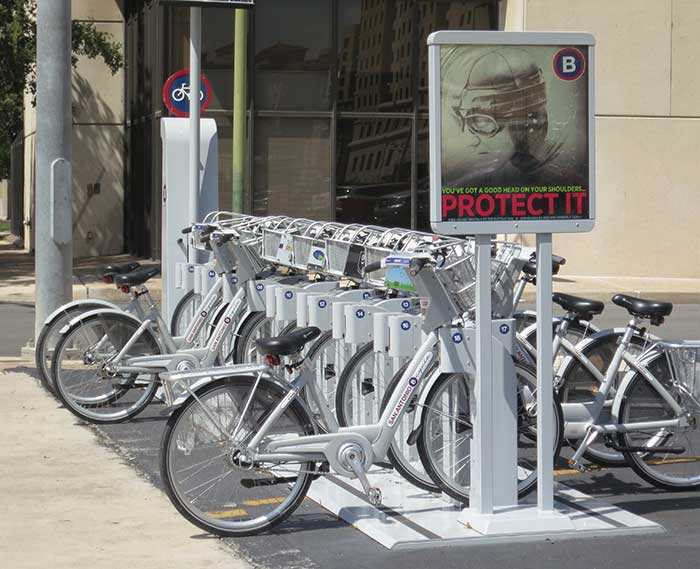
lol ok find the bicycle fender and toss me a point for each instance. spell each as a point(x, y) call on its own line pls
point(643, 361)
point(75, 303)
point(98, 311)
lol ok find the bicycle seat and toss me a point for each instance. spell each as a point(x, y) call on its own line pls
point(118, 269)
point(578, 304)
point(137, 277)
point(288, 344)
point(530, 268)
point(641, 307)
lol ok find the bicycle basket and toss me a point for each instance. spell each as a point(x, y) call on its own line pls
point(458, 276)
point(684, 359)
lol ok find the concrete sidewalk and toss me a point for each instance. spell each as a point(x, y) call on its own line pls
point(17, 276)
point(68, 502)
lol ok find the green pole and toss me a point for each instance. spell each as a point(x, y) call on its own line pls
point(240, 88)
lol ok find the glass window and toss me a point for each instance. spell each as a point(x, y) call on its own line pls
point(440, 15)
point(374, 56)
point(373, 171)
point(293, 55)
point(292, 167)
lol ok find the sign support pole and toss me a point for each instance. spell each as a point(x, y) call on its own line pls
point(195, 88)
point(545, 418)
point(482, 471)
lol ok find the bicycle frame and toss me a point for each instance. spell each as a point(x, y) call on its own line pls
point(582, 418)
point(376, 438)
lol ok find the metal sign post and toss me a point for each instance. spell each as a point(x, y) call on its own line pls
point(195, 86)
point(195, 72)
point(511, 151)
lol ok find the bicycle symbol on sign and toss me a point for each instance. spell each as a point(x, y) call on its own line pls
point(183, 92)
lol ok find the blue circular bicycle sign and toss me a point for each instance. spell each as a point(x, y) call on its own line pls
point(176, 94)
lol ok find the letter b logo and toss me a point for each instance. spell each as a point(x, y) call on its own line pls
point(569, 64)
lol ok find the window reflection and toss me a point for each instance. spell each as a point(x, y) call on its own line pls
point(292, 167)
point(373, 171)
point(465, 15)
point(423, 174)
point(293, 55)
point(374, 55)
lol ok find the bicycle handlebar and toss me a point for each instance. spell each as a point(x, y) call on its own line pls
point(372, 267)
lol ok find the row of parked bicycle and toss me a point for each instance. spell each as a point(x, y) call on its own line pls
point(303, 349)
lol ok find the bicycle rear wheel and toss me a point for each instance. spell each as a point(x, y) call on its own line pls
point(578, 385)
point(204, 475)
point(677, 469)
point(87, 385)
point(444, 443)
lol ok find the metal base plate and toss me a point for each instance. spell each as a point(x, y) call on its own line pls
point(410, 517)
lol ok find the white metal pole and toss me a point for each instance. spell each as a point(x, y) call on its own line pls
point(545, 418)
point(195, 87)
point(482, 491)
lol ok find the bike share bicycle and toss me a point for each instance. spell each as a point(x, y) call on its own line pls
point(246, 441)
point(106, 363)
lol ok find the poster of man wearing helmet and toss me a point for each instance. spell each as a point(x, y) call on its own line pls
point(515, 131)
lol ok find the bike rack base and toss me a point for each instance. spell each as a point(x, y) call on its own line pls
point(410, 517)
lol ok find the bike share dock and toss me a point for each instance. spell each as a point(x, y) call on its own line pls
point(411, 517)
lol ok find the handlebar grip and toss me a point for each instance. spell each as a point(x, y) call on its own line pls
point(187, 230)
point(557, 260)
point(373, 267)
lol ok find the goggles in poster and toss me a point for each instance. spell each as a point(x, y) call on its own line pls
point(478, 124)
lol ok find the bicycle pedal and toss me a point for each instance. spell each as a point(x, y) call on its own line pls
point(577, 466)
point(374, 495)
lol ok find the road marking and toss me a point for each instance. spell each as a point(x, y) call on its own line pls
point(591, 468)
point(237, 513)
point(263, 501)
point(675, 460)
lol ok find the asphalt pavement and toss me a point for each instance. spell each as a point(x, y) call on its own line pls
point(312, 537)
point(16, 327)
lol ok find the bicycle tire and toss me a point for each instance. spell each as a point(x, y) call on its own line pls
point(396, 457)
point(193, 514)
point(525, 421)
point(244, 349)
point(50, 336)
point(85, 407)
point(638, 401)
point(577, 386)
point(179, 312)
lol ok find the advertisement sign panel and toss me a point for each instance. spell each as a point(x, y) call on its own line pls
point(511, 132)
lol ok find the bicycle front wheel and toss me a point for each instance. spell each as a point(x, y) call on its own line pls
point(202, 467)
point(445, 439)
point(678, 467)
point(87, 379)
point(50, 336)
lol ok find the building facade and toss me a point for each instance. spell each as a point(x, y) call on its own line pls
point(98, 145)
point(337, 122)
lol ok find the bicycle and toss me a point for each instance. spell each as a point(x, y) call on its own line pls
point(370, 377)
point(247, 442)
point(106, 362)
point(50, 331)
point(655, 416)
